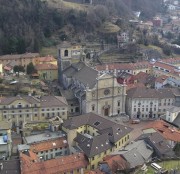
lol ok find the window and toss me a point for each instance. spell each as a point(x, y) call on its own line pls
point(118, 103)
point(63, 113)
point(27, 115)
point(93, 107)
point(92, 167)
point(66, 53)
point(92, 158)
point(35, 115)
point(20, 116)
point(4, 111)
point(4, 116)
point(134, 109)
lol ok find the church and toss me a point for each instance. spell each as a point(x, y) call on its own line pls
point(96, 91)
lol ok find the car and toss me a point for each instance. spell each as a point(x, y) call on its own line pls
point(135, 121)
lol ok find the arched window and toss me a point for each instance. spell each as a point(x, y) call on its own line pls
point(66, 53)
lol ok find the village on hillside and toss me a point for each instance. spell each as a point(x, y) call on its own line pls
point(95, 109)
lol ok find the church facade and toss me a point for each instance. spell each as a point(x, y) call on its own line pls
point(96, 91)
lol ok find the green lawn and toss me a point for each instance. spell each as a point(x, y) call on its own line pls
point(168, 165)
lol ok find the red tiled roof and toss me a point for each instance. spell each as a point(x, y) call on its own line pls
point(46, 59)
point(47, 66)
point(165, 130)
point(97, 171)
point(167, 66)
point(135, 85)
point(161, 79)
point(48, 145)
point(30, 164)
point(116, 162)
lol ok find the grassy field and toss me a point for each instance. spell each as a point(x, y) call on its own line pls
point(168, 165)
point(49, 51)
point(60, 4)
point(108, 27)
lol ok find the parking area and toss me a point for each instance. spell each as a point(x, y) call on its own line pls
point(137, 128)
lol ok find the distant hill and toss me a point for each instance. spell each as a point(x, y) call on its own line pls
point(27, 25)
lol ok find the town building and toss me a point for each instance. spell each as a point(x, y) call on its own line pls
point(22, 109)
point(169, 132)
point(45, 60)
point(160, 145)
point(95, 135)
point(5, 140)
point(20, 59)
point(30, 163)
point(47, 71)
point(136, 154)
point(147, 103)
point(46, 145)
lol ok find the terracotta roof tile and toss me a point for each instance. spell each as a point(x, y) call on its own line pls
point(48, 145)
point(116, 162)
point(31, 165)
point(46, 66)
point(165, 130)
point(161, 79)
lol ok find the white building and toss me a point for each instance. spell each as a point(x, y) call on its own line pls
point(146, 103)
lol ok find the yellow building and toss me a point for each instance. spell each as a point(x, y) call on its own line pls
point(20, 59)
point(47, 71)
point(96, 136)
point(27, 108)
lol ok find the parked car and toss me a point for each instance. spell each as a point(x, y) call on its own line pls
point(135, 121)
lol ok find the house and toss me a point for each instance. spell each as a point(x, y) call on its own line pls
point(172, 114)
point(157, 22)
point(46, 146)
point(144, 78)
point(147, 103)
point(47, 71)
point(124, 77)
point(30, 163)
point(45, 60)
point(95, 136)
point(169, 132)
point(122, 39)
point(161, 81)
point(160, 145)
point(22, 109)
point(136, 153)
point(19, 59)
point(5, 140)
point(113, 163)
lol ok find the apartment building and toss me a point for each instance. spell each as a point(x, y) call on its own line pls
point(22, 109)
point(147, 103)
point(46, 145)
point(95, 136)
point(75, 163)
point(5, 140)
point(20, 59)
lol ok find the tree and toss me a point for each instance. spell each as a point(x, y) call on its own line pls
point(30, 68)
point(18, 69)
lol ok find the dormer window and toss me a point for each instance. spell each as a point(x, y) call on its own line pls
point(19, 105)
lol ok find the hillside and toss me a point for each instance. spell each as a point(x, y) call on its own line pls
point(26, 26)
